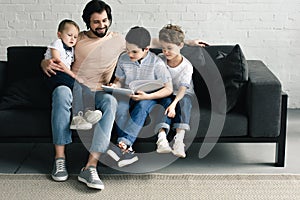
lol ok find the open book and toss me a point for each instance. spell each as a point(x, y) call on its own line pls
point(142, 85)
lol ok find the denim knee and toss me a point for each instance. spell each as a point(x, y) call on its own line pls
point(61, 112)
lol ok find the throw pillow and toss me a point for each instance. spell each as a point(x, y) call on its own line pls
point(234, 71)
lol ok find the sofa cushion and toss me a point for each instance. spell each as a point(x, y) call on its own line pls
point(26, 93)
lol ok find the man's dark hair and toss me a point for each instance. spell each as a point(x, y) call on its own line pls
point(98, 7)
point(138, 36)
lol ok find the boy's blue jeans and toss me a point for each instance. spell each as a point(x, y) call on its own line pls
point(61, 116)
point(183, 113)
point(131, 116)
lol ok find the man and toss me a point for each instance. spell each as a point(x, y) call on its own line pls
point(96, 54)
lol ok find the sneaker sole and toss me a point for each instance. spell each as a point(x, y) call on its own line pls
point(60, 179)
point(113, 155)
point(164, 150)
point(74, 127)
point(124, 163)
point(90, 185)
point(179, 155)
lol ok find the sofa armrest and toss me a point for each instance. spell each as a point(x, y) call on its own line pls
point(3, 65)
point(263, 101)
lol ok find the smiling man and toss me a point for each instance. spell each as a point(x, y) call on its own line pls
point(96, 55)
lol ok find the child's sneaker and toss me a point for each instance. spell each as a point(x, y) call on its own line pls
point(163, 146)
point(79, 123)
point(93, 116)
point(127, 158)
point(115, 152)
point(178, 149)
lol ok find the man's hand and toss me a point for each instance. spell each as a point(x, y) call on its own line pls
point(50, 65)
point(196, 42)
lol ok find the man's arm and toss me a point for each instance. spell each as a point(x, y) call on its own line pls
point(56, 55)
point(197, 42)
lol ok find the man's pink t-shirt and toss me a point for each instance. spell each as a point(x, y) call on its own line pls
point(96, 58)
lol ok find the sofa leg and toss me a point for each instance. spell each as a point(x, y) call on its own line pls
point(280, 154)
point(280, 145)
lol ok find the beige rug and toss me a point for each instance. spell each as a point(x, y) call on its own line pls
point(154, 186)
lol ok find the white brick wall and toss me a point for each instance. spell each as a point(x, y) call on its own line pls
point(268, 30)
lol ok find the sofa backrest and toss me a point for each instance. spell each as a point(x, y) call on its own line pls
point(228, 60)
point(24, 62)
point(24, 85)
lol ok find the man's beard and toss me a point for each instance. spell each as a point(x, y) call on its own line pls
point(101, 35)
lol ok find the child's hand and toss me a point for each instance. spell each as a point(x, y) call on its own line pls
point(112, 85)
point(139, 95)
point(170, 111)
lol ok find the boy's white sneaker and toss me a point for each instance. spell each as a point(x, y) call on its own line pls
point(79, 123)
point(163, 146)
point(93, 116)
point(178, 149)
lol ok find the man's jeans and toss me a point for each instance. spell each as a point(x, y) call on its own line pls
point(131, 116)
point(83, 98)
point(61, 115)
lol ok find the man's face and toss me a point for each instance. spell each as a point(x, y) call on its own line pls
point(134, 52)
point(99, 24)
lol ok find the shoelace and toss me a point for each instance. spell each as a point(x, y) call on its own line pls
point(80, 113)
point(60, 166)
point(79, 119)
point(94, 174)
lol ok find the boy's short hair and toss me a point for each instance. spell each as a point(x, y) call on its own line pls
point(139, 36)
point(62, 24)
point(171, 34)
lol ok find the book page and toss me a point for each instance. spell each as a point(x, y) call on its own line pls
point(146, 85)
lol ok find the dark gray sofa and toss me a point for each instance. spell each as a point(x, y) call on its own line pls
point(257, 113)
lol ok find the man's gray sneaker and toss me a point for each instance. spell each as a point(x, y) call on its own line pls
point(90, 177)
point(59, 172)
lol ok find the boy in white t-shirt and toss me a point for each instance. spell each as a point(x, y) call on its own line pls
point(171, 38)
point(63, 49)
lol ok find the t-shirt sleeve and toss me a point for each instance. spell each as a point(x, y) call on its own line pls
point(186, 75)
point(55, 45)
